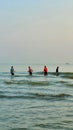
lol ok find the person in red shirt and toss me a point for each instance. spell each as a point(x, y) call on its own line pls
point(30, 70)
point(45, 70)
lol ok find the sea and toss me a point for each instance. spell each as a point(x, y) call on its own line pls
point(36, 102)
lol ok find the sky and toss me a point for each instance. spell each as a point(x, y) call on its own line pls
point(36, 31)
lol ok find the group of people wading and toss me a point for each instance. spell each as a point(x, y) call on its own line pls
point(30, 70)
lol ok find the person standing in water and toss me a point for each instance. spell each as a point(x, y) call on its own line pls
point(30, 70)
point(12, 70)
point(57, 70)
point(45, 70)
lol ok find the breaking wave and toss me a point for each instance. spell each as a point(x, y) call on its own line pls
point(27, 82)
point(40, 96)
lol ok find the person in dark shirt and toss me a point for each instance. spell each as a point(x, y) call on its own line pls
point(30, 70)
point(57, 70)
point(12, 70)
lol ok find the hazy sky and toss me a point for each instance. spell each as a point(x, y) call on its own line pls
point(36, 31)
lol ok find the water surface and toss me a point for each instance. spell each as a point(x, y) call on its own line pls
point(36, 102)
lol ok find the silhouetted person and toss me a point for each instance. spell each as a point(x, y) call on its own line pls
point(12, 70)
point(45, 70)
point(30, 70)
point(57, 70)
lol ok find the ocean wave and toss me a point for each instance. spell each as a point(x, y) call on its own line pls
point(64, 83)
point(38, 74)
point(69, 84)
point(19, 129)
point(68, 75)
point(40, 96)
point(27, 82)
point(54, 73)
point(52, 95)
